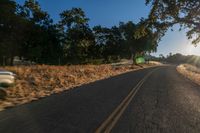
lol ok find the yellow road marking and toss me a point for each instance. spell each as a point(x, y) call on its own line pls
point(110, 122)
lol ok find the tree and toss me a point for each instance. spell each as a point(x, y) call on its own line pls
point(28, 32)
point(161, 57)
point(42, 39)
point(108, 42)
point(170, 12)
point(33, 12)
point(73, 18)
point(128, 31)
point(138, 46)
point(78, 37)
point(11, 33)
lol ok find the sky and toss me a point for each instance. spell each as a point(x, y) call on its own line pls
point(110, 12)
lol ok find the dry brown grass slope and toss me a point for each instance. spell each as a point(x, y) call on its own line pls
point(190, 71)
point(39, 81)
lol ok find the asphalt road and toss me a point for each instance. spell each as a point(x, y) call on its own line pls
point(149, 100)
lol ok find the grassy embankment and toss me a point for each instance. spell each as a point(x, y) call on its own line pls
point(190, 71)
point(40, 81)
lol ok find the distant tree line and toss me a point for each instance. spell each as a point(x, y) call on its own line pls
point(180, 59)
point(28, 32)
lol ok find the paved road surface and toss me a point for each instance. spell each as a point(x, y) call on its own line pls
point(150, 100)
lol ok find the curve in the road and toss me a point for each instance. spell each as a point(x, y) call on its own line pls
point(110, 122)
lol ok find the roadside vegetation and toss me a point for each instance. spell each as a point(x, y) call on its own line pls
point(35, 82)
point(179, 59)
point(190, 71)
point(29, 33)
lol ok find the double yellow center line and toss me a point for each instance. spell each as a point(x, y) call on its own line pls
point(110, 122)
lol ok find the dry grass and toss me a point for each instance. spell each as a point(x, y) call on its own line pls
point(190, 71)
point(39, 81)
point(155, 62)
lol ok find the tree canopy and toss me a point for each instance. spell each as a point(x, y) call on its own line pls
point(166, 13)
point(28, 32)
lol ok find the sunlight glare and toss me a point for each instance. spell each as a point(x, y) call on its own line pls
point(190, 49)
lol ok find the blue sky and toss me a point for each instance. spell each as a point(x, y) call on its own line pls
point(111, 12)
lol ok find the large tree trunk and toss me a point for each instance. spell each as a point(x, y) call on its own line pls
point(1, 60)
point(133, 53)
point(133, 58)
point(8, 61)
point(11, 61)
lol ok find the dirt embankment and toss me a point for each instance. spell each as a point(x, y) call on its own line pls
point(190, 71)
point(34, 82)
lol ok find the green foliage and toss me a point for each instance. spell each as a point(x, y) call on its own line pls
point(28, 32)
point(77, 36)
point(166, 13)
point(137, 45)
point(73, 18)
